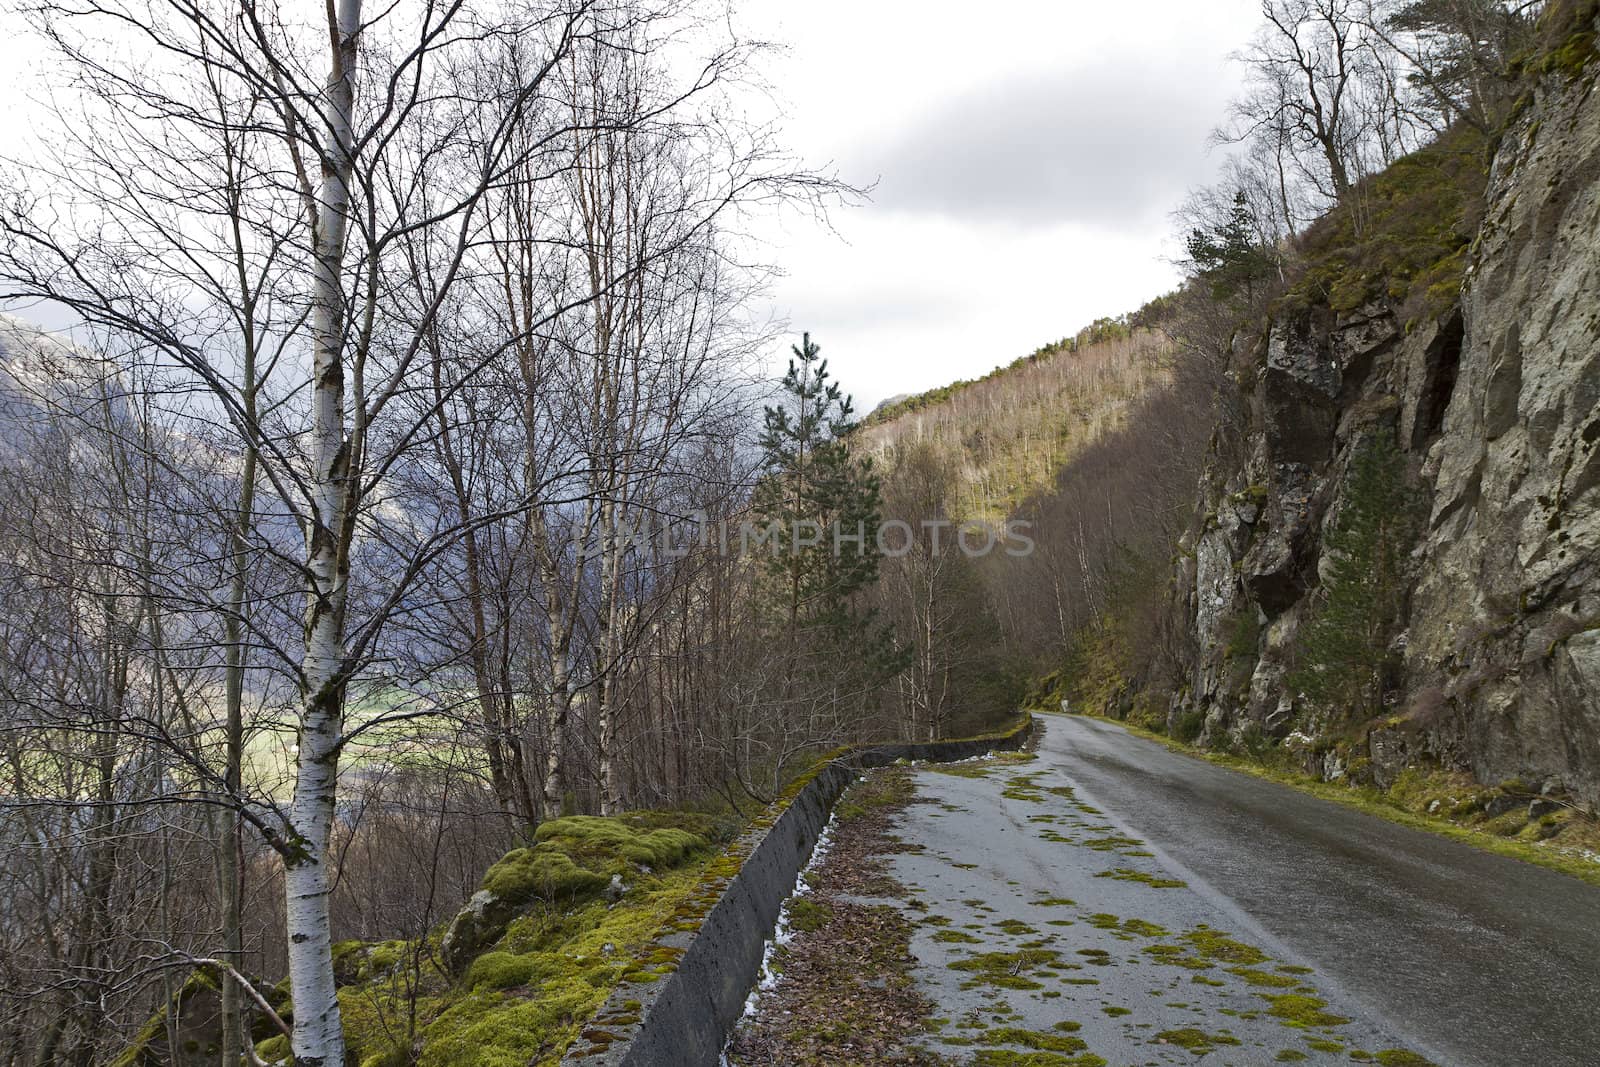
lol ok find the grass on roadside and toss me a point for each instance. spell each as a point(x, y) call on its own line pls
point(1580, 835)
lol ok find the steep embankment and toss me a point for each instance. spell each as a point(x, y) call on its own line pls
point(1505, 625)
point(1449, 432)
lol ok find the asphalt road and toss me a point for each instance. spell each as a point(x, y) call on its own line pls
point(1107, 869)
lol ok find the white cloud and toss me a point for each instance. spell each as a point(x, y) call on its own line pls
point(1107, 144)
point(1026, 155)
point(1026, 150)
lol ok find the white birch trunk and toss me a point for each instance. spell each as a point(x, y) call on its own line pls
point(610, 665)
point(318, 1031)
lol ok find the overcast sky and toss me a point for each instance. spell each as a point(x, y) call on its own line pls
point(1026, 154)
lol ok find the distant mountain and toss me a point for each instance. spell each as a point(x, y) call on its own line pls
point(1012, 430)
point(888, 403)
point(43, 377)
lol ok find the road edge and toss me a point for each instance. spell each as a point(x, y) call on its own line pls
point(685, 1018)
point(1587, 871)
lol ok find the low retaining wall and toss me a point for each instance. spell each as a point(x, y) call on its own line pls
point(683, 1019)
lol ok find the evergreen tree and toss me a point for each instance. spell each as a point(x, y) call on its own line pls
point(818, 501)
point(1459, 51)
point(1344, 654)
point(1228, 256)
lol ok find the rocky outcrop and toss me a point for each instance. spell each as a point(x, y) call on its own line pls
point(1506, 618)
point(1321, 388)
point(1495, 404)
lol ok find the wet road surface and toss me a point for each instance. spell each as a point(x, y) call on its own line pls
point(1146, 907)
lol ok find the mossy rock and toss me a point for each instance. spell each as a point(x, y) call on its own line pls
point(656, 847)
point(574, 859)
point(526, 873)
point(199, 1009)
point(349, 957)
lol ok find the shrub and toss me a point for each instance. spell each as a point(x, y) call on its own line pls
point(1344, 653)
point(1402, 234)
point(1188, 726)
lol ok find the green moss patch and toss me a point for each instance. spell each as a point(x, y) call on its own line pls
point(957, 937)
point(808, 915)
point(1203, 948)
point(1007, 1058)
point(1034, 1039)
point(1264, 978)
point(1118, 843)
point(1025, 787)
point(1406, 237)
point(1301, 1011)
point(1128, 874)
point(1195, 1040)
point(1008, 970)
point(578, 855)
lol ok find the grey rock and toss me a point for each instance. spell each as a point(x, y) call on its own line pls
point(1497, 405)
point(1502, 803)
point(1514, 537)
point(476, 926)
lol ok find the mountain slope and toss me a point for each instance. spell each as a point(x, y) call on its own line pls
point(1012, 431)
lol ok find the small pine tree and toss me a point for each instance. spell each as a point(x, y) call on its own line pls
point(814, 486)
point(1344, 655)
point(1227, 256)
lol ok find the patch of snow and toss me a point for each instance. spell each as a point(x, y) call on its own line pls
point(951, 763)
point(782, 932)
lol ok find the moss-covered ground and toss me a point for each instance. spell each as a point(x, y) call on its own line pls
point(534, 991)
point(1403, 236)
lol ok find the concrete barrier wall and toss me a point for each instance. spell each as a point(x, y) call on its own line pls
point(684, 1018)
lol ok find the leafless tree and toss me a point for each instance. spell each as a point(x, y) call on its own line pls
point(1306, 69)
point(278, 217)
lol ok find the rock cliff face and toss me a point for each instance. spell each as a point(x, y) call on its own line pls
point(1495, 404)
point(1506, 618)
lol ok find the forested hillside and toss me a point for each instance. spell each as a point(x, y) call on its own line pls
point(1012, 430)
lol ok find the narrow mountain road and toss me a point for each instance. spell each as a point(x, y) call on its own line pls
point(1113, 902)
point(1469, 956)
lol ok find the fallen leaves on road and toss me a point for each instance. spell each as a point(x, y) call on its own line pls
point(845, 995)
